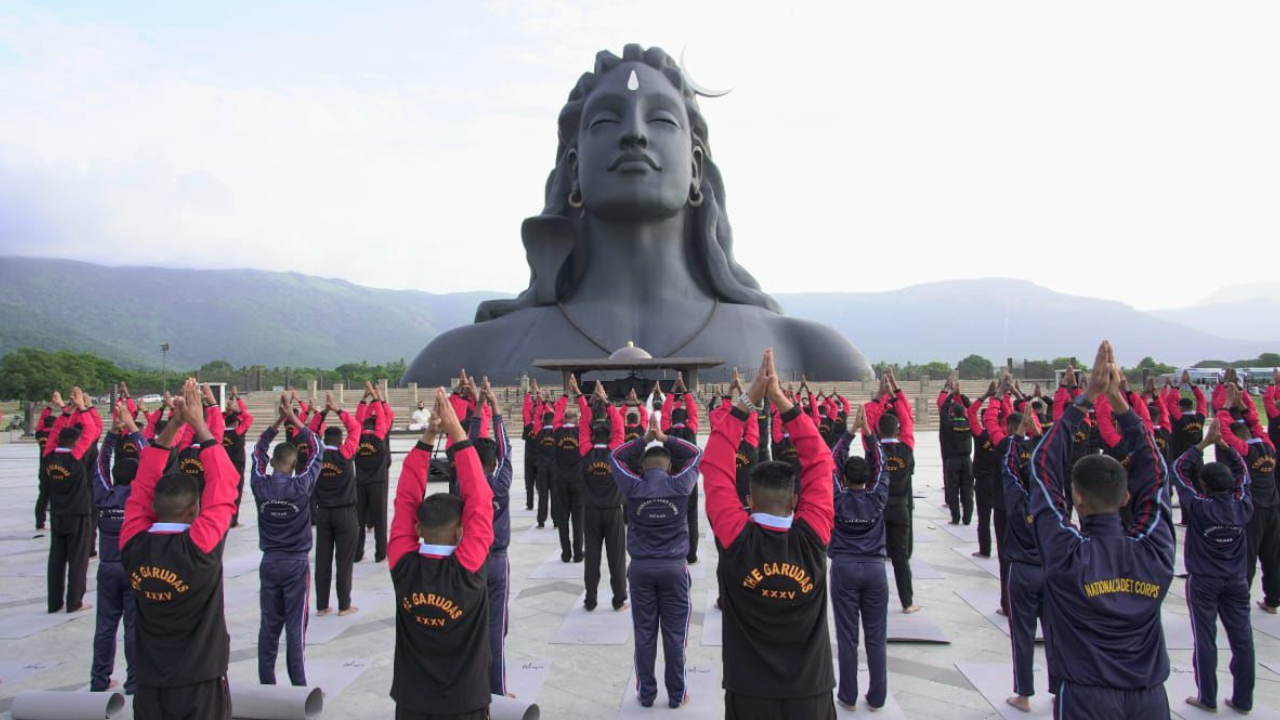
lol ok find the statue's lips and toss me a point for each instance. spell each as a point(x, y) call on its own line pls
point(633, 162)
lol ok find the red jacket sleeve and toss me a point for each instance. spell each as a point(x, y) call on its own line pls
point(873, 410)
point(214, 421)
point(1202, 406)
point(90, 427)
point(691, 406)
point(246, 420)
point(1139, 405)
point(584, 425)
point(1106, 423)
point(1061, 397)
point(218, 503)
point(409, 492)
point(667, 403)
point(902, 408)
point(617, 429)
point(526, 410)
point(1219, 397)
point(991, 421)
point(351, 443)
point(775, 424)
point(719, 480)
point(1269, 401)
point(942, 399)
point(558, 410)
point(1229, 437)
point(477, 509)
point(316, 423)
point(975, 424)
point(382, 418)
point(362, 412)
point(138, 515)
point(753, 431)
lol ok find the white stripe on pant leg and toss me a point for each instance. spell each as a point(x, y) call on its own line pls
point(688, 618)
point(502, 641)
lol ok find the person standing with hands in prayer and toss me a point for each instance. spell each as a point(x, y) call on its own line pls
point(777, 652)
point(1104, 583)
point(283, 496)
point(437, 552)
point(171, 545)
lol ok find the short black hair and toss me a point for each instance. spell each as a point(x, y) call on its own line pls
point(888, 425)
point(1186, 404)
point(68, 435)
point(633, 418)
point(655, 456)
point(856, 471)
point(679, 415)
point(1153, 409)
point(548, 418)
point(160, 425)
point(285, 451)
point(487, 451)
point(175, 494)
point(439, 513)
point(370, 423)
point(1216, 478)
point(601, 432)
point(332, 436)
point(1037, 406)
point(1102, 480)
point(772, 485)
point(124, 471)
point(1013, 423)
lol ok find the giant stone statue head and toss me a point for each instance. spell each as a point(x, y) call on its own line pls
point(634, 245)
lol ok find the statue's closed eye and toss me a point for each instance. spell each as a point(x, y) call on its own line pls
point(603, 119)
point(664, 117)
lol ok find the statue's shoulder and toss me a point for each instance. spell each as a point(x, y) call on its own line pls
point(824, 353)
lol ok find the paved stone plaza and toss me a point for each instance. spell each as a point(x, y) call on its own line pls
point(352, 657)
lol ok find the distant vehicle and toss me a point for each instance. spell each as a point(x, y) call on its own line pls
point(152, 398)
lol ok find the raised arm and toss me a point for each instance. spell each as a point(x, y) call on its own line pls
point(719, 477)
point(410, 490)
point(992, 423)
point(102, 469)
point(351, 442)
point(1106, 425)
point(902, 408)
point(691, 406)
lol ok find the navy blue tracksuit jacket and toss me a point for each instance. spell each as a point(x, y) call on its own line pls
point(1215, 548)
point(284, 536)
point(1104, 585)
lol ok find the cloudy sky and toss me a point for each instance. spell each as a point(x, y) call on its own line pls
point(1112, 149)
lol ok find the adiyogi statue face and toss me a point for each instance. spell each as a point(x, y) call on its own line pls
point(635, 154)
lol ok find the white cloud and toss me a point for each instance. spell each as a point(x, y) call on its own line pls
point(1100, 148)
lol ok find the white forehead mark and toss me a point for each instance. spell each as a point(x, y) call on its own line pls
point(633, 82)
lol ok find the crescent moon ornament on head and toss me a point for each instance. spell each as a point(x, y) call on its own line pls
point(693, 85)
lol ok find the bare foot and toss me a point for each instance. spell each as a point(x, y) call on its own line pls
point(349, 611)
point(1194, 702)
point(82, 608)
point(911, 610)
point(511, 695)
point(1022, 702)
point(323, 612)
point(982, 555)
point(1264, 607)
point(1001, 612)
point(847, 706)
point(1232, 705)
point(111, 684)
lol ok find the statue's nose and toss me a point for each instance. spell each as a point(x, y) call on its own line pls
point(633, 135)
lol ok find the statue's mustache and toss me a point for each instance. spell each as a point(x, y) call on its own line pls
point(634, 157)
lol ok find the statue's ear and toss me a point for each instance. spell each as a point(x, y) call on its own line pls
point(548, 240)
point(697, 166)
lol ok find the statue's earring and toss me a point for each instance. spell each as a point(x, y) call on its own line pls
point(575, 192)
point(695, 189)
point(695, 196)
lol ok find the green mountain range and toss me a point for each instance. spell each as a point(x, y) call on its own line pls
point(254, 317)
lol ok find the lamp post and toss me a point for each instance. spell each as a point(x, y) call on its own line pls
point(164, 374)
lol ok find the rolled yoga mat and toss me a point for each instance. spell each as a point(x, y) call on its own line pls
point(276, 702)
point(40, 705)
point(505, 708)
